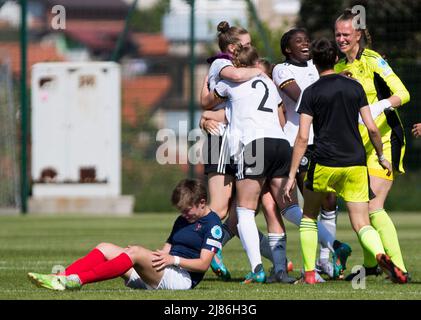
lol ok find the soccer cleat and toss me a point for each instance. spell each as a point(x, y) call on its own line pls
point(218, 266)
point(280, 277)
point(395, 274)
point(72, 282)
point(368, 271)
point(258, 276)
point(290, 266)
point(310, 277)
point(47, 281)
point(325, 267)
point(339, 257)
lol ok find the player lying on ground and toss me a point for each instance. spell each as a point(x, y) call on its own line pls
point(179, 265)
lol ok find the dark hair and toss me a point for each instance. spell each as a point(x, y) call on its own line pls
point(187, 193)
point(286, 37)
point(228, 35)
point(366, 40)
point(324, 53)
point(246, 57)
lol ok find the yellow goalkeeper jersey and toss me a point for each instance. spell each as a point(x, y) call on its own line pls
point(380, 82)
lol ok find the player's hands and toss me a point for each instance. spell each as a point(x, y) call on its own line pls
point(387, 166)
point(289, 186)
point(161, 260)
point(212, 127)
point(416, 130)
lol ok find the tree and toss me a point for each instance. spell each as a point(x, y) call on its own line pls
point(150, 20)
point(393, 25)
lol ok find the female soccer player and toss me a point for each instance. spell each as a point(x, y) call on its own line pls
point(221, 173)
point(259, 146)
point(333, 104)
point(179, 265)
point(385, 93)
point(292, 77)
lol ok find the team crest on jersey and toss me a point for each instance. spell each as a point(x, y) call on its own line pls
point(216, 232)
point(304, 161)
point(385, 66)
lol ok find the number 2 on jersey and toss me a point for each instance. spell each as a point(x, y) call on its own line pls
point(265, 97)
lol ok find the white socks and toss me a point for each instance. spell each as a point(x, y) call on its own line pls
point(328, 220)
point(249, 235)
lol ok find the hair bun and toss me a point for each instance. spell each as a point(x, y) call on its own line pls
point(223, 26)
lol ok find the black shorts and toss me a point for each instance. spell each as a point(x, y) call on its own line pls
point(216, 156)
point(305, 161)
point(264, 158)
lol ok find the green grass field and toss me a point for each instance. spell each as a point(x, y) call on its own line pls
point(38, 243)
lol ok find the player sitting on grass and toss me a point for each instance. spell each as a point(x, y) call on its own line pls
point(179, 265)
point(339, 163)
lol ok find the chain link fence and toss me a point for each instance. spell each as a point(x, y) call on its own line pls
point(155, 76)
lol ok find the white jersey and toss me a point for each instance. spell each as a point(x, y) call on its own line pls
point(304, 75)
point(214, 76)
point(253, 111)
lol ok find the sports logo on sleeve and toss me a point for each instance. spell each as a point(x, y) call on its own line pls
point(304, 161)
point(384, 66)
point(216, 232)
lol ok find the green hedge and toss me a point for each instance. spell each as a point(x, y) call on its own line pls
point(151, 184)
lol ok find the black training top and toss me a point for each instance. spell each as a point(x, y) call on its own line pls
point(334, 102)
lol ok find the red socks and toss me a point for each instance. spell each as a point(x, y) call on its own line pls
point(92, 259)
point(107, 270)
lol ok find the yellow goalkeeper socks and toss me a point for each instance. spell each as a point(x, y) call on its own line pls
point(308, 241)
point(381, 221)
point(369, 259)
point(370, 240)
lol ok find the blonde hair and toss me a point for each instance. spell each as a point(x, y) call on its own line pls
point(245, 57)
point(365, 40)
point(229, 35)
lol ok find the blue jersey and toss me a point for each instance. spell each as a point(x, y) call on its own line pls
point(188, 239)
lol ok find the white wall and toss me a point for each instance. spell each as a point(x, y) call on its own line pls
point(76, 123)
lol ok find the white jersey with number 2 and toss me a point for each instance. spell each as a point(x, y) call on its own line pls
point(253, 111)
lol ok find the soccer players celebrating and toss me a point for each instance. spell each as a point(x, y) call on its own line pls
point(259, 147)
point(385, 92)
point(217, 167)
point(220, 170)
point(332, 104)
point(179, 265)
point(292, 77)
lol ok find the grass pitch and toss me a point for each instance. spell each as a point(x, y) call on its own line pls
point(38, 244)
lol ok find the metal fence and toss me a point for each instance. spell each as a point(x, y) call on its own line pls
point(9, 174)
point(155, 74)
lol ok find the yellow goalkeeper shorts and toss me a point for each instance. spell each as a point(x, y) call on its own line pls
point(393, 140)
point(350, 183)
